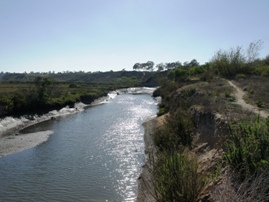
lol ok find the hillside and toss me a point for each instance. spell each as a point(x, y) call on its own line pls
point(196, 116)
point(210, 139)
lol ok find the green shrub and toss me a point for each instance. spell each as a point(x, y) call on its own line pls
point(73, 85)
point(157, 93)
point(227, 94)
point(259, 103)
point(161, 112)
point(250, 90)
point(180, 74)
point(197, 70)
point(176, 177)
point(176, 132)
point(240, 76)
point(263, 71)
point(228, 63)
point(247, 148)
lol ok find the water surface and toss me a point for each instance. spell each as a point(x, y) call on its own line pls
point(95, 155)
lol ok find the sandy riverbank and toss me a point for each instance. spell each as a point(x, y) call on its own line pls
point(12, 141)
point(16, 143)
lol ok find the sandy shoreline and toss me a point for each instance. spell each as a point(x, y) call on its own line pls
point(11, 141)
point(17, 143)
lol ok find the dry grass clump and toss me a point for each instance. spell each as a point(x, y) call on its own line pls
point(252, 189)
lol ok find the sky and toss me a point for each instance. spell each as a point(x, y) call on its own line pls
point(104, 35)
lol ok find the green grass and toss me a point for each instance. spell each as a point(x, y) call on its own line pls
point(247, 150)
point(176, 177)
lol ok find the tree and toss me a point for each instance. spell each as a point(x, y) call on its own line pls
point(42, 91)
point(149, 65)
point(253, 51)
point(193, 63)
point(173, 65)
point(160, 67)
point(145, 66)
point(266, 60)
point(137, 66)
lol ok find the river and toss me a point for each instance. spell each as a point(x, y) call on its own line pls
point(95, 155)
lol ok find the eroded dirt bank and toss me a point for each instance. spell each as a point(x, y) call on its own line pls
point(145, 180)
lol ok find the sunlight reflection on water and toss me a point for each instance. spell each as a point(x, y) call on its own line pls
point(127, 145)
point(95, 155)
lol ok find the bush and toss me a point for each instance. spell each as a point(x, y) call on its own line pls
point(263, 71)
point(197, 70)
point(228, 63)
point(176, 132)
point(236, 61)
point(176, 177)
point(247, 149)
point(73, 85)
point(252, 189)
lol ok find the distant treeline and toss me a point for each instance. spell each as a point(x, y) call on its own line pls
point(22, 93)
point(81, 77)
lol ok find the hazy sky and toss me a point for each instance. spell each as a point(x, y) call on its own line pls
point(103, 35)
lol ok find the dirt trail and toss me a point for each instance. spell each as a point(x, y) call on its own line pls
point(239, 94)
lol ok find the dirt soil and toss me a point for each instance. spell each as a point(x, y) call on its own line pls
point(239, 94)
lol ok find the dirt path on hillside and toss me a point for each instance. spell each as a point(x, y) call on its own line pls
point(239, 94)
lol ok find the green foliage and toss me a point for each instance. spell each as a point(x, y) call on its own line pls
point(167, 87)
point(23, 93)
point(229, 63)
point(176, 177)
point(180, 74)
point(266, 60)
point(247, 149)
point(161, 112)
point(249, 90)
point(238, 63)
point(73, 85)
point(240, 76)
point(176, 132)
point(80, 77)
point(7, 103)
point(262, 70)
point(197, 70)
point(144, 66)
point(88, 98)
point(157, 92)
point(259, 103)
point(227, 94)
